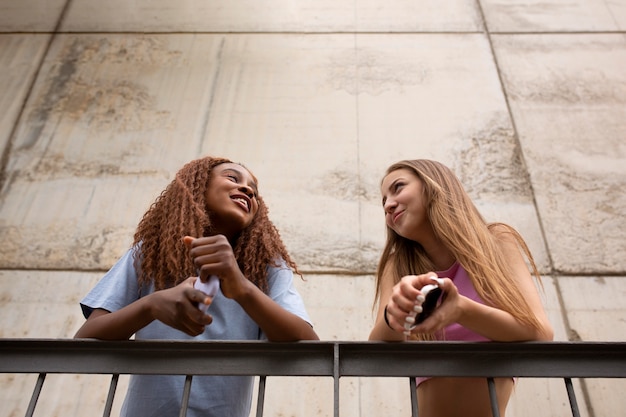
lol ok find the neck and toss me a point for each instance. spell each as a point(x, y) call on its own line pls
point(441, 257)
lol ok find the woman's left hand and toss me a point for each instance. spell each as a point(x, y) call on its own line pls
point(406, 295)
point(213, 255)
point(447, 312)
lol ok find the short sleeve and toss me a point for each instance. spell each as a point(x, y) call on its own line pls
point(116, 289)
point(284, 293)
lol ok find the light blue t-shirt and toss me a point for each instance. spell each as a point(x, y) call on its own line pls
point(211, 396)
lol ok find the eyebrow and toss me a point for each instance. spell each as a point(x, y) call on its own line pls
point(390, 187)
point(239, 173)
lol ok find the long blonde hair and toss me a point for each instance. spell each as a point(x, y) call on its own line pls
point(458, 224)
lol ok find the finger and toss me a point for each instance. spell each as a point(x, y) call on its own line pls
point(201, 298)
point(396, 317)
point(188, 240)
point(194, 330)
point(405, 303)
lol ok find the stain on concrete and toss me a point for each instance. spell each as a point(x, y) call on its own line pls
point(581, 199)
point(92, 83)
point(73, 249)
point(62, 73)
point(337, 256)
point(587, 86)
point(373, 72)
point(341, 184)
point(489, 163)
point(58, 166)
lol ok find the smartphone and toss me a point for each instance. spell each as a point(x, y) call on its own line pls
point(432, 293)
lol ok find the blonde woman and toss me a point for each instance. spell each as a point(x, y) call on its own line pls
point(488, 294)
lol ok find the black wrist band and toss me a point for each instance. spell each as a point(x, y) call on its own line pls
point(386, 319)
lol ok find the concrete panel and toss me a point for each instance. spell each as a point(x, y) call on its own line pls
point(618, 11)
point(595, 307)
point(422, 16)
point(44, 304)
point(552, 15)
point(348, 317)
point(62, 395)
point(547, 397)
point(438, 97)
point(272, 16)
point(33, 304)
point(568, 96)
point(278, 109)
point(596, 312)
point(20, 56)
point(109, 121)
point(30, 15)
point(402, 92)
point(306, 397)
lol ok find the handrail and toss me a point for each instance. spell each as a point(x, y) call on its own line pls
point(315, 358)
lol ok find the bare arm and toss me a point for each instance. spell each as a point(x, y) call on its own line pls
point(176, 307)
point(277, 323)
point(491, 322)
point(499, 325)
point(381, 330)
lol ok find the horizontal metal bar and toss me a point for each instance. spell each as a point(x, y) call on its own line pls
point(165, 357)
point(315, 358)
point(528, 359)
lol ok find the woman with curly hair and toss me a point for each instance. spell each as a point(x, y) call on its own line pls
point(209, 221)
point(437, 238)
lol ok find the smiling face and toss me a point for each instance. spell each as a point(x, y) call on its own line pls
point(404, 204)
point(231, 199)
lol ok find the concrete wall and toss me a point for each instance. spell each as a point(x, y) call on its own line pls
point(103, 101)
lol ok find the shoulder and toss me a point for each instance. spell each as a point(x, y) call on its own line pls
point(504, 233)
point(279, 270)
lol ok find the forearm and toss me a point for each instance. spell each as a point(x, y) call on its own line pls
point(498, 325)
point(118, 325)
point(383, 333)
point(278, 324)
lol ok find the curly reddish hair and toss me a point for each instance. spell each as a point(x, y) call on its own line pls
point(180, 210)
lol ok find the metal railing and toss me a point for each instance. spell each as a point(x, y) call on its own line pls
point(564, 360)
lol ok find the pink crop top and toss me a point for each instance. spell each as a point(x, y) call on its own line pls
point(456, 332)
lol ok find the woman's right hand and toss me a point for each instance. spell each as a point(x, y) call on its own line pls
point(406, 299)
point(178, 307)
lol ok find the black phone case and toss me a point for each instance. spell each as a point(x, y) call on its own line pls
point(429, 305)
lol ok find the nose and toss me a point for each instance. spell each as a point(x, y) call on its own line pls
point(247, 190)
point(389, 205)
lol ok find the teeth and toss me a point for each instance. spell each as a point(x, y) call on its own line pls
point(245, 203)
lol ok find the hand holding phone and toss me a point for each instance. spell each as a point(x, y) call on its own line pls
point(425, 304)
point(209, 288)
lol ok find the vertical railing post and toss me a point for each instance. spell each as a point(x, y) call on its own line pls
point(186, 392)
point(111, 395)
point(493, 396)
point(571, 395)
point(413, 388)
point(35, 397)
point(336, 379)
point(261, 396)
